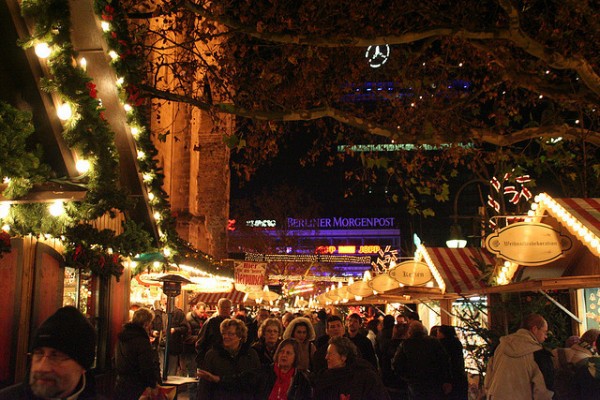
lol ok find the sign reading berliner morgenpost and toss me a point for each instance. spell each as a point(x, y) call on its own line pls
point(528, 243)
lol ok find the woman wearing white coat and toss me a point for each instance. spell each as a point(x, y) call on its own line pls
point(302, 330)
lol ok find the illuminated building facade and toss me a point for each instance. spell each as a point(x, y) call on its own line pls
point(347, 236)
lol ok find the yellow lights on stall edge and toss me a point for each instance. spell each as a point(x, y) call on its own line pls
point(422, 252)
point(543, 201)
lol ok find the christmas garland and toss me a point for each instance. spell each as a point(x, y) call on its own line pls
point(90, 134)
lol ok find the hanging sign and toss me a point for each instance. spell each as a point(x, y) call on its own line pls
point(250, 276)
point(411, 273)
point(528, 243)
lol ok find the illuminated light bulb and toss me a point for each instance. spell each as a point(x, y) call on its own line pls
point(167, 251)
point(6, 180)
point(157, 216)
point(82, 166)
point(6, 228)
point(507, 264)
point(42, 50)
point(541, 96)
point(133, 264)
point(588, 237)
point(120, 81)
point(147, 177)
point(156, 264)
point(460, 64)
point(83, 63)
point(135, 131)
point(127, 107)
point(151, 196)
point(4, 210)
point(141, 155)
point(113, 54)
point(105, 26)
point(64, 111)
point(57, 208)
point(534, 206)
point(531, 213)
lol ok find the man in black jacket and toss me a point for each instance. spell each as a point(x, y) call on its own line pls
point(210, 334)
point(362, 343)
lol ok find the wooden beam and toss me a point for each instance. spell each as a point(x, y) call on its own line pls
point(565, 282)
point(48, 192)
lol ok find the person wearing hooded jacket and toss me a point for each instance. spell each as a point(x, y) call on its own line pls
point(347, 376)
point(512, 372)
point(302, 330)
point(136, 362)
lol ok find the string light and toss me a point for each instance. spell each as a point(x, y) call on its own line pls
point(545, 202)
point(82, 166)
point(42, 50)
point(56, 209)
point(64, 111)
point(4, 210)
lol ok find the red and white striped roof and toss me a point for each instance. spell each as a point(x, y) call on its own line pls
point(235, 296)
point(586, 211)
point(457, 267)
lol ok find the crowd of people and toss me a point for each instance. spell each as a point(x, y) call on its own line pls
point(288, 359)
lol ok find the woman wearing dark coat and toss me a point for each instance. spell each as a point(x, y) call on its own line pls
point(269, 336)
point(460, 385)
point(284, 380)
point(136, 362)
point(347, 376)
point(229, 371)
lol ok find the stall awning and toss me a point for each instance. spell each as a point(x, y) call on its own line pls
point(235, 296)
point(586, 211)
point(458, 267)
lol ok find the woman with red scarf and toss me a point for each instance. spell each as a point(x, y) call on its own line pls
point(283, 380)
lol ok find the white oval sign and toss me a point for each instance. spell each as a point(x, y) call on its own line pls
point(528, 243)
point(411, 273)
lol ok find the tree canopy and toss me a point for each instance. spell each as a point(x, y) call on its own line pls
point(504, 85)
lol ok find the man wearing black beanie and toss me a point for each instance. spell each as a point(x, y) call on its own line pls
point(62, 350)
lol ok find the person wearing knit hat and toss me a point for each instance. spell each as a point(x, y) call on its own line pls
point(62, 351)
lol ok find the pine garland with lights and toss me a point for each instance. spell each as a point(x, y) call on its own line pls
point(89, 133)
point(19, 164)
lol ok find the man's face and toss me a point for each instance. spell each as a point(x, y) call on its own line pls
point(53, 373)
point(353, 325)
point(263, 315)
point(335, 328)
point(540, 333)
point(199, 310)
point(225, 309)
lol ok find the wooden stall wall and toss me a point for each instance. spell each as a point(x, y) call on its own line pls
point(10, 294)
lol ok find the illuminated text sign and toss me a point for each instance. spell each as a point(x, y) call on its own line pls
point(341, 222)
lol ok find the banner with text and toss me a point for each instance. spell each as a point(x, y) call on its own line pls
point(250, 276)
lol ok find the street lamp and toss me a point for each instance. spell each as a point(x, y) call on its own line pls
point(457, 240)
